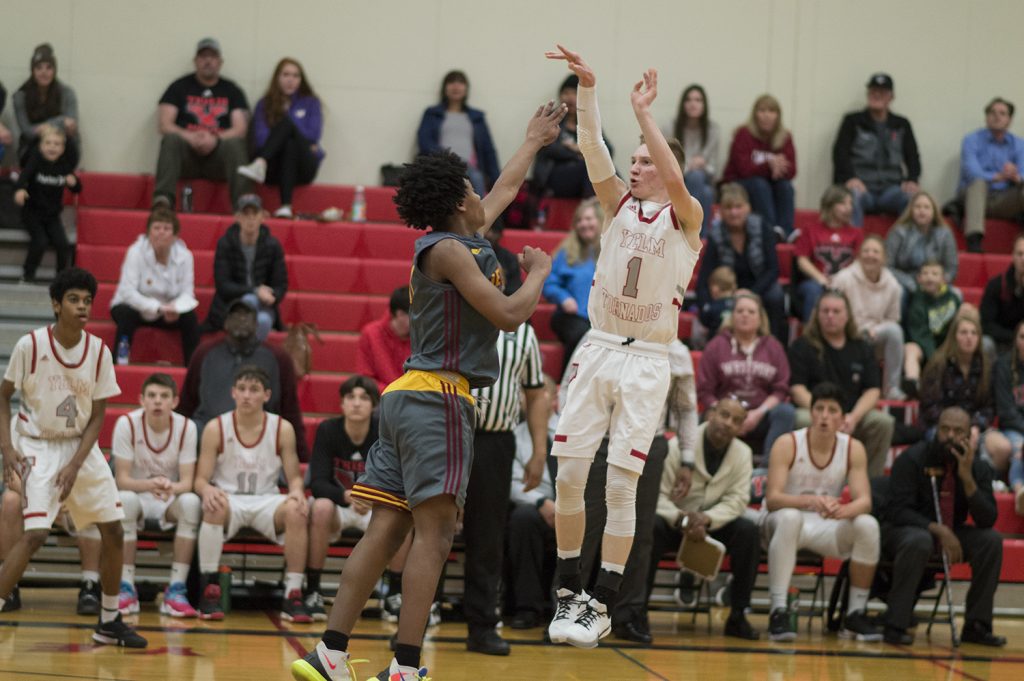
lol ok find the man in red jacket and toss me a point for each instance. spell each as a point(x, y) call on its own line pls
point(384, 344)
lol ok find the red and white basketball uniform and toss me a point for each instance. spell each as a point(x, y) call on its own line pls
point(58, 386)
point(619, 379)
point(806, 477)
point(154, 455)
point(249, 472)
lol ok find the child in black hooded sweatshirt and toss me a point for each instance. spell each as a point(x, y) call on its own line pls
point(40, 193)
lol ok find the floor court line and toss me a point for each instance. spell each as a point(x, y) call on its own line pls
point(640, 664)
point(55, 675)
point(275, 619)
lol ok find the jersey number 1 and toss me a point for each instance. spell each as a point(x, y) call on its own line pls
point(68, 409)
point(632, 276)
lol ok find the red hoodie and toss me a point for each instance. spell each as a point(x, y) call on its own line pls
point(726, 370)
point(748, 157)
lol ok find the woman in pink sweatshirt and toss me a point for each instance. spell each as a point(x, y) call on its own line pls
point(746, 362)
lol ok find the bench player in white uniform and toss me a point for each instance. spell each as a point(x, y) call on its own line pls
point(650, 243)
point(806, 475)
point(242, 455)
point(154, 453)
point(65, 376)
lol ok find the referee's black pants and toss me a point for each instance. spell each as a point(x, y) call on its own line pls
point(631, 605)
point(483, 525)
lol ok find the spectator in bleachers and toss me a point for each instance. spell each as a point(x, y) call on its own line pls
point(826, 247)
point(874, 296)
point(572, 273)
point(700, 138)
point(991, 160)
point(804, 510)
point(206, 391)
point(912, 532)
point(712, 493)
point(722, 297)
point(249, 262)
point(762, 158)
point(452, 124)
point(43, 100)
point(1008, 390)
point(204, 120)
point(831, 350)
point(559, 170)
point(743, 241)
point(875, 155)
point(747, 363)
point(384, 344)
point(920, 234)
point(1002, 304)
point(930, 311)
point(959, 374)
point(157, 284)
point(506, 258)
point(286, 128)
point(339, 457)
point(40, 193)
point(6, 138)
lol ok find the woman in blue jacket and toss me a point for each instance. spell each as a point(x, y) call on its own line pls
point(572, 271)
point(454, 125)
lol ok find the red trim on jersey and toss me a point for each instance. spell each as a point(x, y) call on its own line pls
point(220, 427)
point(56, 355)
point(39, 514)
point(22, 417)
point(277, 438)
point(117, 505)
point(796, 449)
point(132, 427)
point(638, 454)
point(263, 430)
point(810, 454)
point(675, 301)
point(640, 213)
point(33, 337)
point(145, 436)
point(675, 220)
point(99, 360)
point(184, 429)
point(622, 202)
point(561, 438)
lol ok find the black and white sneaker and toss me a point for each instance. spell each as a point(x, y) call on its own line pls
point(88, 598)
point(857, 625)
point(567, 609)
point(13, 601)
point(315, 606)
point(779, 628)
point(592, 624)
point(117, 633)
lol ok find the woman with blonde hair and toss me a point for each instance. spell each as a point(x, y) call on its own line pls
point(920, 235)
point(572, 271)
point(286, 128)
point(762, 158)
point(959, 374)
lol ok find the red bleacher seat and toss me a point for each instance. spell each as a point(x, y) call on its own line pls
point(558, 213)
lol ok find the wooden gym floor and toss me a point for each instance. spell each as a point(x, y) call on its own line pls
point(45, 640)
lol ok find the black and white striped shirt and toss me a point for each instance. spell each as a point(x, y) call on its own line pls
point(519, 366)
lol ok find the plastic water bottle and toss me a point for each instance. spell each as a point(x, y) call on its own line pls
point(542, 219)
point(358, 212)
point(793, 606)
point(186, 199)
point(123, 350)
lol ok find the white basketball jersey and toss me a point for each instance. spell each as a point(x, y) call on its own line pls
point(58, 385)
point(248, 467)
point(805, 477)
point(154, 454)
point(642, 273)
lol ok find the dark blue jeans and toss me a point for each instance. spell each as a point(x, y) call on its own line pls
point(773, 200)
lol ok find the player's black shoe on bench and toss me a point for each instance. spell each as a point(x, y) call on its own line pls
point(13, 601)
point(117, 633)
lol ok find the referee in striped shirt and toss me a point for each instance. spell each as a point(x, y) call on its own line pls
point(485, 515)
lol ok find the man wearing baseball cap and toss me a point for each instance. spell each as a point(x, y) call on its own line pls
point(204, 120)
point(875, 155)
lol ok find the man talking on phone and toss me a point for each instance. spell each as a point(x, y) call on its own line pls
point(914, 534)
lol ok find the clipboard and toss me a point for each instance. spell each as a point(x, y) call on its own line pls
point(701, 558)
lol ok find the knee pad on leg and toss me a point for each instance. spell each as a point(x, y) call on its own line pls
point(620, 496)
point(88, 532)
point(190, 510)
point(132, 508)
point(570, 483)
point(866, 540)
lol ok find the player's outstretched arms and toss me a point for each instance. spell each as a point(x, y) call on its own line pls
point(452, 262)
point(541, 131)
point(600, 167)
point(686, 207)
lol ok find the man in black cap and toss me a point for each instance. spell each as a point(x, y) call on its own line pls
point(875, 155)
point(211, 371)
point(204, 120)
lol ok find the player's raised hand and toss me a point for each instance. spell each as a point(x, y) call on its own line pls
point(575, 63)
point(534, 259)
point(544, 125)
point(645, 91)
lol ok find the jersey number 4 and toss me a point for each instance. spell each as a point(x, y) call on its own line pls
point(68, 409)
point(632, 276)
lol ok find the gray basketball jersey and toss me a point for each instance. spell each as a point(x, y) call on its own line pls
point(445, 332)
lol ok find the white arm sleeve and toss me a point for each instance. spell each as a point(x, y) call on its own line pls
point(589, 139)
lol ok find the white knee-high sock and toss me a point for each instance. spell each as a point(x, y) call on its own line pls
point(211, 544)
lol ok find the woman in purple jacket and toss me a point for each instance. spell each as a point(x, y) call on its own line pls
point(745, 362)
point(286, 129)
